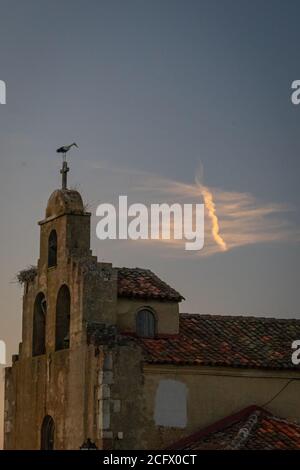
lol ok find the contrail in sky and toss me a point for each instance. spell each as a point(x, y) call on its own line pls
point(211, 209)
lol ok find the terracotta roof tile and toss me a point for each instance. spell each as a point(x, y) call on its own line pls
point(233, 341)
point(251, 429)
point(143, 283)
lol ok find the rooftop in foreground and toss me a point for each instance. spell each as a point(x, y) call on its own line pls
point(253, 428)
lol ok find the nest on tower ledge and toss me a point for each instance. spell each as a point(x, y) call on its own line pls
point(26, 275)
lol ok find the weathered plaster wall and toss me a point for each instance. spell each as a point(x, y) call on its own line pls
point(167, 315)
point(214, 393)
point(58, 385)
point(99, 293)
point(128, 422)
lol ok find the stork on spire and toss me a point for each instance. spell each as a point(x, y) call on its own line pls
point(64, 170)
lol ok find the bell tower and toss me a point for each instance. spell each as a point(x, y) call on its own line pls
point(56, 366)
point(65, 230)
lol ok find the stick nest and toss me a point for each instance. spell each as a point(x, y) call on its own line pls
point(26, 275)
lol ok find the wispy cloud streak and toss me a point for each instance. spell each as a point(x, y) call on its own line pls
point(233, 219)
point(211, 211)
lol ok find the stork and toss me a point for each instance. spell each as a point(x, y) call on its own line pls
point(65, 148)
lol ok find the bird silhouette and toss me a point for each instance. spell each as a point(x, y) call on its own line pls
point(66, 148)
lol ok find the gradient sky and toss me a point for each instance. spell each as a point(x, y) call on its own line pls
point(150, 90)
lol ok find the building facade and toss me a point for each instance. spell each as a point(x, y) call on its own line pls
point(106, 358)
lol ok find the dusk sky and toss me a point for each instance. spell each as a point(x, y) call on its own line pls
point(152, 91)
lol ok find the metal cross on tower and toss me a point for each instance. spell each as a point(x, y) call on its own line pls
point(64, 171)
point(64, 149)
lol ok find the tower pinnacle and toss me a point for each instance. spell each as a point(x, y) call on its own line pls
point(64, 171)
point(64, 149)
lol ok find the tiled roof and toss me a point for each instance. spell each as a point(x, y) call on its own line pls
point(229, 341)
point(144, 284)
point(251, 429)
